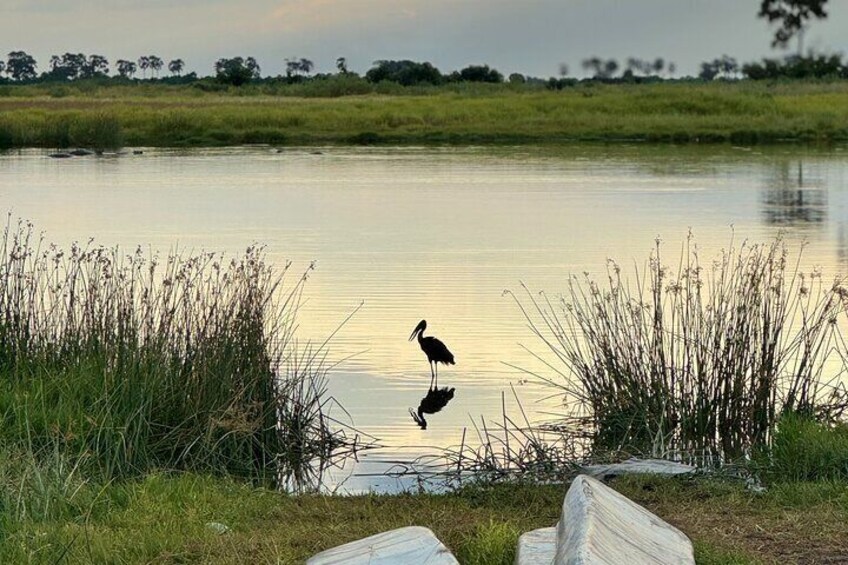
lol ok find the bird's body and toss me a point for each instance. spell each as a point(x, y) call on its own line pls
point(436, 351)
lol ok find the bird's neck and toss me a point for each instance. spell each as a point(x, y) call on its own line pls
point(421, 336)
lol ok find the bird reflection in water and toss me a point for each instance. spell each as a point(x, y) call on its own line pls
point(436, 352)
point(436, 399)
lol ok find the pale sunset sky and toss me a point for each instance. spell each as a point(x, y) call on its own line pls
point(529, 36)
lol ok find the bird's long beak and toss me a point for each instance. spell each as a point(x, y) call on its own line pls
point(419, 328)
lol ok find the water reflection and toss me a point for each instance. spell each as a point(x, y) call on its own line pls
point(791, 198)
point(433, 402)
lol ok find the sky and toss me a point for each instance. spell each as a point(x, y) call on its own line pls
point(532, 37)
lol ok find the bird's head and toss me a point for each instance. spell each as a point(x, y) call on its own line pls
point(422, 325)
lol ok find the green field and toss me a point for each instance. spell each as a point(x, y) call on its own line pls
point(163, 116)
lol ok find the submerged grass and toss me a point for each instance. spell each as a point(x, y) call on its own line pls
point(696, 361)
point(742, 112)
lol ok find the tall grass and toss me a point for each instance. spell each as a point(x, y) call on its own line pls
point(697, 358)
point(456, 114)
point(125, 363)
point(806, 450)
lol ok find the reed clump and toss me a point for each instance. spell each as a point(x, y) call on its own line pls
point(698, 360)
point(123, 363)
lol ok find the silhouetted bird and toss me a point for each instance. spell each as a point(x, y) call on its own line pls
point(435, 400)
point(436, 351)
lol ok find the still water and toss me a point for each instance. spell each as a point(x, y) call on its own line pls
point(436, 234)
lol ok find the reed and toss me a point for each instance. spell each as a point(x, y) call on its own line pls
point(123, 363)
point(508, 450)
point(698, 360)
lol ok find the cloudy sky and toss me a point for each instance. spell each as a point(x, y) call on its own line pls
point(528, 36)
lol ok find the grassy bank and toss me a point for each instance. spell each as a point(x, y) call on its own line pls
point(163, 519)
point(743, 112)
point(114, 364)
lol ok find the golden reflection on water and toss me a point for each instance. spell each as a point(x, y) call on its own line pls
point(438, 234)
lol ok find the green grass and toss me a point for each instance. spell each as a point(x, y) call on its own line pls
point(114, 364)
point(806, 450)
point(163, 519)
point(148, 115)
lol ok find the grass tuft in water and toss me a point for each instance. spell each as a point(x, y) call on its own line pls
point(698, 358)
point(113, 364)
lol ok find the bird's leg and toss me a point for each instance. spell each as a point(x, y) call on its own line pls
point(432, 374)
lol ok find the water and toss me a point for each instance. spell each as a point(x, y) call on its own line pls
point(436, 234)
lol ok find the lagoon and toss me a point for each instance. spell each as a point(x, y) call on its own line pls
point(401, 234)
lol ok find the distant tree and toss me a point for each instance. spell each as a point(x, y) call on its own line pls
point(480, 73)
point(517, 78)
point(95, 66)
point(176, 67)
point(672, 68)
point(144, 64)
point(725, 67)
point(20, 65)
point(563, 70)
point(729, 66)
point(306, 66)
point(252, 66)
point(406, 73)
point(2, 67)
point(659, 65)
point(792, 16)
point(236, 71)
point(126, 68)
point(69, 66)
point(601, 69)
point(55, 63)
point(292, 67)
point(814, 66)
point(341, 66)
point(594, 64)
point(709, 70)
point(156, 64)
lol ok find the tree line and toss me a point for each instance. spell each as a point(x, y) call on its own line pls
point(20, 66)
point(792, 18)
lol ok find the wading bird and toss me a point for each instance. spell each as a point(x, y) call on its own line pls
point(435, 350)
